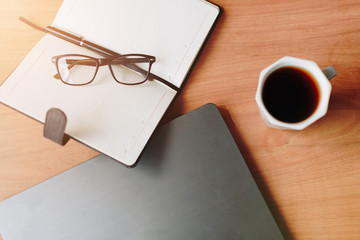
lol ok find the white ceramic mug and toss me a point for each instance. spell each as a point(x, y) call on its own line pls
point(293, 93)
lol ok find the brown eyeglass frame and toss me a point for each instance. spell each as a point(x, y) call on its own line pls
point(91, 46)
point(129, 63)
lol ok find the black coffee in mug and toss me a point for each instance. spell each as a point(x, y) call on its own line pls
point(290, 94)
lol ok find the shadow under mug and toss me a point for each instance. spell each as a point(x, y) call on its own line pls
point(293, 93)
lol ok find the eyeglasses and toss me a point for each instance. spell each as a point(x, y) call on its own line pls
point(77, 70)
point(129, 61)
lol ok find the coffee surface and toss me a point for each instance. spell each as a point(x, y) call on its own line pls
point(290, 94)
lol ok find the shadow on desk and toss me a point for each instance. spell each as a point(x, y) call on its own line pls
point(254, 169)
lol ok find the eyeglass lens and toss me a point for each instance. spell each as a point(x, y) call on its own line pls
point(77, 70)
point(130, 69)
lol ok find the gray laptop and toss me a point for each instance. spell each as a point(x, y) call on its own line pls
point(191, 182)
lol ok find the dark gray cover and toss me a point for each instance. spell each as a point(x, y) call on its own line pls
point(190, 183)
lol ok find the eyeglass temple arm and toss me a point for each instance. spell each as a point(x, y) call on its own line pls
point(105, 61)
point(129, 63)
point(93, 47)
point(143, 72)
point(76, 62)
point(87, 62)
point(33, 25)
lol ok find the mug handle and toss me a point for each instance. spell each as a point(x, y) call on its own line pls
point(329, 72)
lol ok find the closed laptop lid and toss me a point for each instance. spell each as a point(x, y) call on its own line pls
point(191, 182)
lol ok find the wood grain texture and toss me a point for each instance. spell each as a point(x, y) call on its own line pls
point(26, 157)
point(310, 178)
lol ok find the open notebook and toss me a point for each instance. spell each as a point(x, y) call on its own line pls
point(114, 119)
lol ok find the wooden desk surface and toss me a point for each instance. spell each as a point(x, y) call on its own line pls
point(310, 178)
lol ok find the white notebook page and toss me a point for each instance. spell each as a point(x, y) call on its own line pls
point(171, 30)
point(105, 115)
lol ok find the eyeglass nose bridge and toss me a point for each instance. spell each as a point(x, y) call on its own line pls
point(104, 61)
